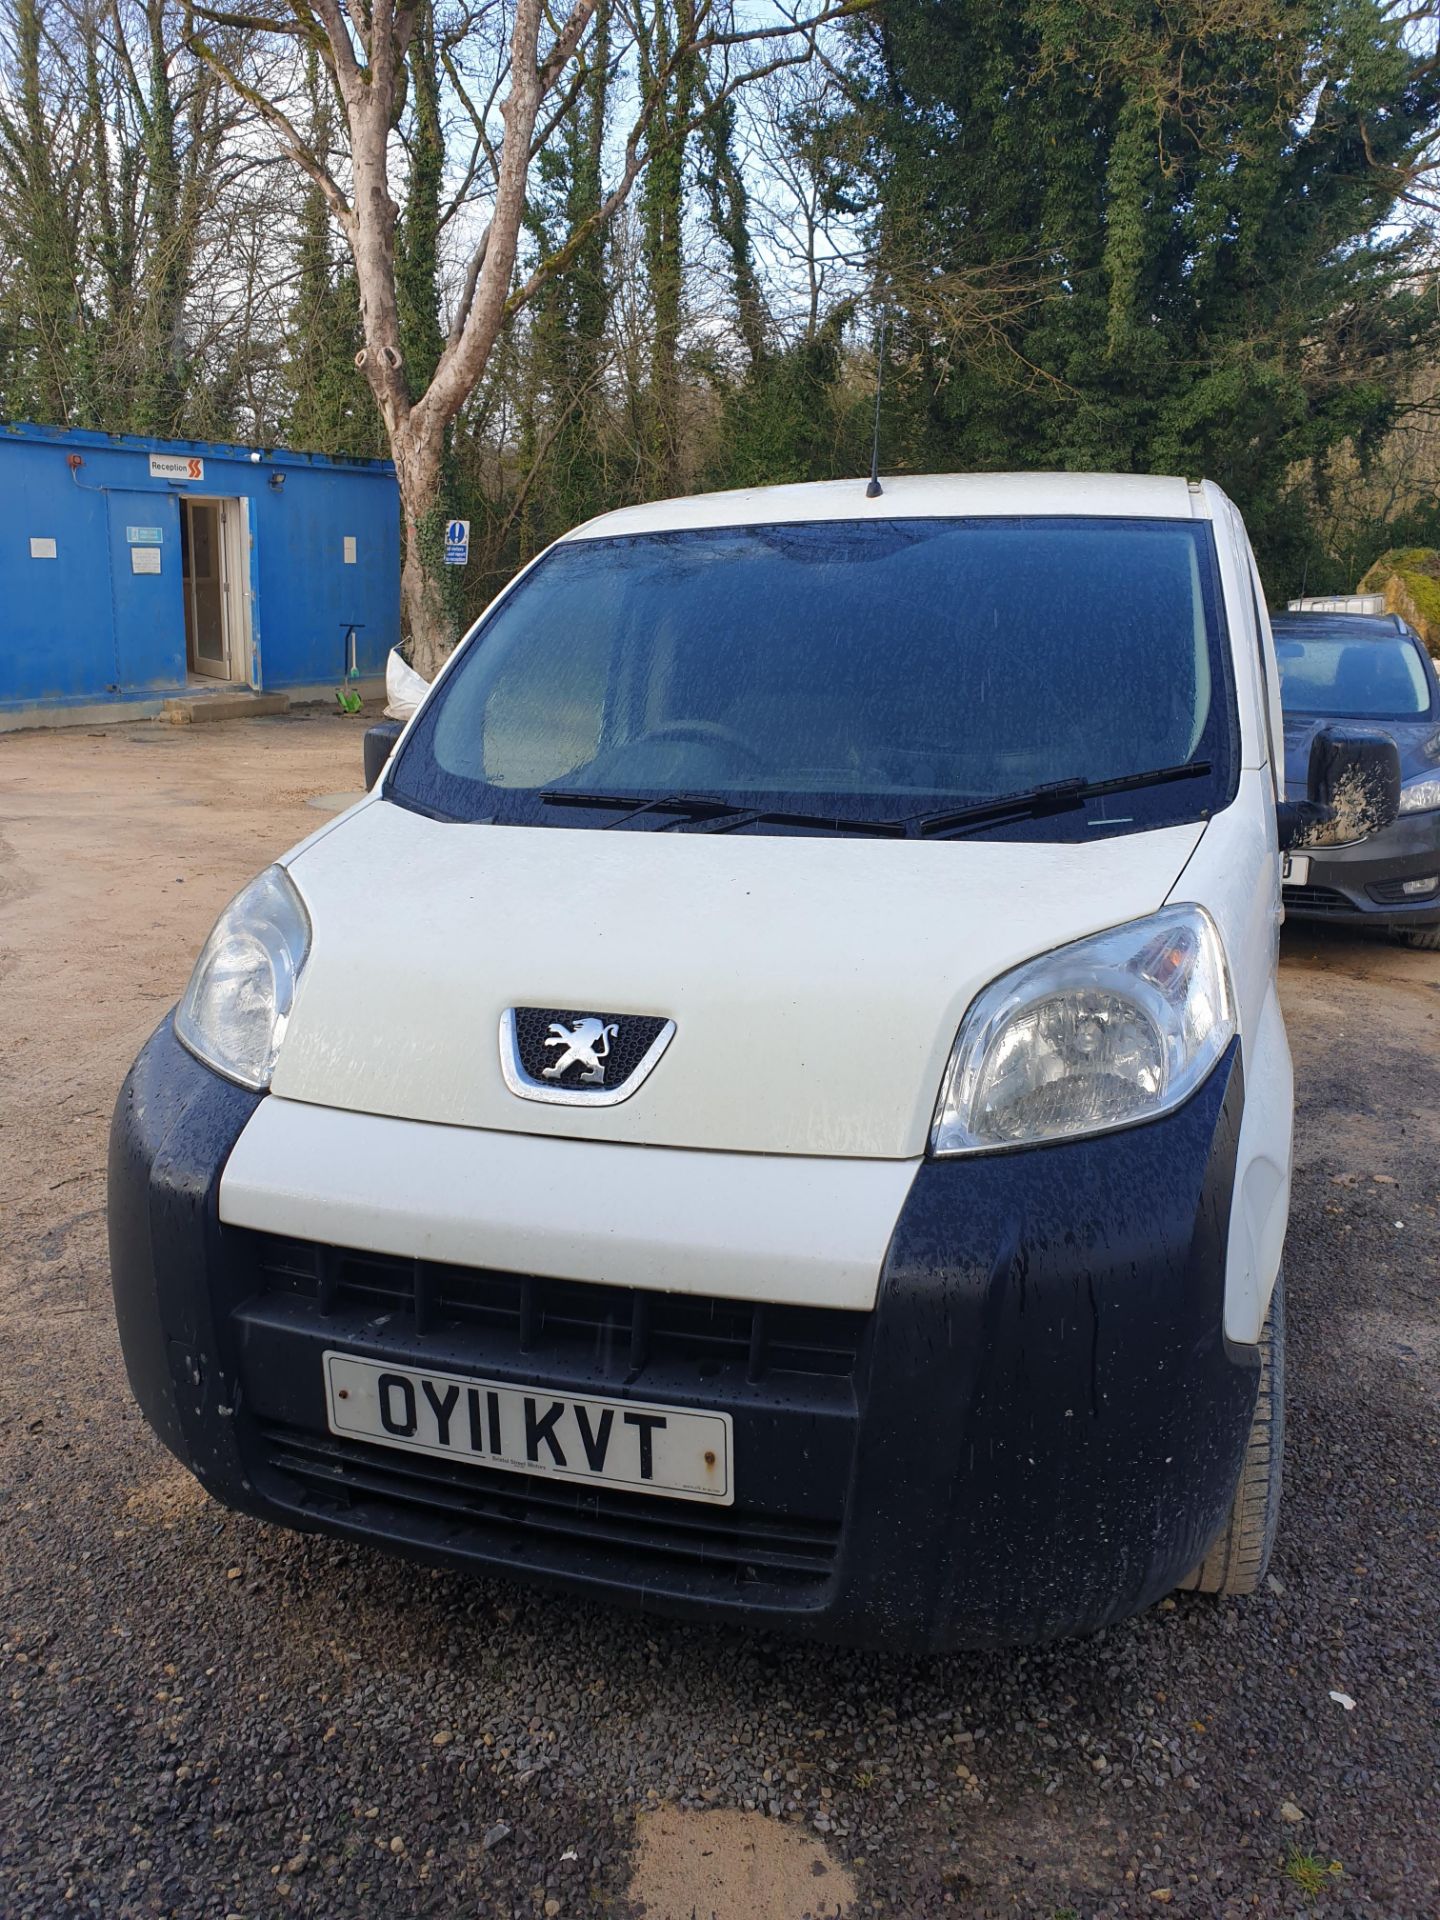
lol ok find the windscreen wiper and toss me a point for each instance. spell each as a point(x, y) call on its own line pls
point(1058, 796)
point(707, 807)
point(791, 817)
point(690, 806)
point(714, 815)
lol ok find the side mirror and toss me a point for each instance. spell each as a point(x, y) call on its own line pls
point(1353, 790)
point(380, 744)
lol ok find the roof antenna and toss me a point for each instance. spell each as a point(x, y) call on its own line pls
point(874, 489)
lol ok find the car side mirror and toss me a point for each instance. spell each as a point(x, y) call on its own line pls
point(1353, 790)
point(379, 745)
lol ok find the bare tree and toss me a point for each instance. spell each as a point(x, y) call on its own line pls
point(366, 45)
point(803, 147)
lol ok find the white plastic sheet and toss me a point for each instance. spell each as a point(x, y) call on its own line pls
point(404, 688)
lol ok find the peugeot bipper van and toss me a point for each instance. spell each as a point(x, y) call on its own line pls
point(774, 1107)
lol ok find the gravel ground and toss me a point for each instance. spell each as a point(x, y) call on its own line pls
point(205, 1717)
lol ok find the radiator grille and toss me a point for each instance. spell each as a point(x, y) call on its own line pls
point(630, 1327)
point(521, 1512)
point(1318, 900)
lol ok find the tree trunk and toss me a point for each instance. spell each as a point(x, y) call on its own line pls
point(424, 603)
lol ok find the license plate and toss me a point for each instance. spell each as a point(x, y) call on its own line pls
point(605, 1443)
point(1294, 869)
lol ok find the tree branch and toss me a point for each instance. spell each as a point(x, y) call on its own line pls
point(467, 293)
point(565, 43)
point(291, 143)
point(346, 67)
point(252, 22)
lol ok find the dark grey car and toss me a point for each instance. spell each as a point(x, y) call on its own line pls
point(1372, 670)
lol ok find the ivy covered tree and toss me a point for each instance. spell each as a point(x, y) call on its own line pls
point(1197, 216)
point(138, 260)
point(330, 406)
point(563, 451)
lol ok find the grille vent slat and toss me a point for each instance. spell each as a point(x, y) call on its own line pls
point(325, 1268)
point(424, 1279)
point(639, 1330)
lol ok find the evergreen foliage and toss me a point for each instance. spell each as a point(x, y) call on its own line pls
point(1195, 209)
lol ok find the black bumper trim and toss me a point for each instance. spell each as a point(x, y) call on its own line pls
point(174, 1126)
point(1041, 1435)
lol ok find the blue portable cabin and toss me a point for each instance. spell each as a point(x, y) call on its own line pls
point(133, 570)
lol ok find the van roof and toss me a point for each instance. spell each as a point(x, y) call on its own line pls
point(1338, 626)
point(919, 496)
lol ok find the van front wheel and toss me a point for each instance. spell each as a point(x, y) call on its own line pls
point(1240, 1552)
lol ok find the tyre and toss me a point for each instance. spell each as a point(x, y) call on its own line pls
point(1240, 1553)
point(1427, 938)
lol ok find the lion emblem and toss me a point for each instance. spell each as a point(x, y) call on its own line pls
point(586, 1044)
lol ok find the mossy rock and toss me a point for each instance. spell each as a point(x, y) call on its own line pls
point(1409, 578)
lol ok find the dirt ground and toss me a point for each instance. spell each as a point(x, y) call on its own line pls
point(201, 1716)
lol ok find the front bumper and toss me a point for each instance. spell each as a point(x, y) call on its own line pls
point(1364, 885)
point(1036, 1431)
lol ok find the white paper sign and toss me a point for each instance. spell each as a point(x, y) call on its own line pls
point(144, 559)
point(349, 549)
point(176, 466)
point(41, 549)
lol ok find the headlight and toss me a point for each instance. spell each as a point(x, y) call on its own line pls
point(1420, 796)
point(1114, 1029)
point(239, 998)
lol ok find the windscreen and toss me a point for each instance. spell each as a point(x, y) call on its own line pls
point(1359, 679)
point(854, 667)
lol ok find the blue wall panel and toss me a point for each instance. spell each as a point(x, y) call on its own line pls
point(86, 627)
point(57, 637)
point(308, 593)
point(148, 610)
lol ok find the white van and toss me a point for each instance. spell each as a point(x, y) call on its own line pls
point(775, 1105)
